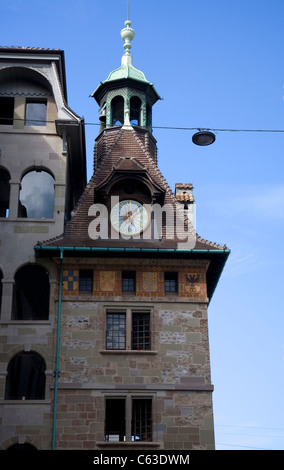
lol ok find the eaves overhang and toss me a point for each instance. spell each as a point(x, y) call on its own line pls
point(145, 86)
point(217, 257)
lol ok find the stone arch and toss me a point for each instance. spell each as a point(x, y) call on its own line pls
point(117, 111)
point(23, 81)
point(23, 439)
point(26, 377)
point(31, 293)
point(36, 196)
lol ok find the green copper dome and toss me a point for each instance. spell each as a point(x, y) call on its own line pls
point(126, 71)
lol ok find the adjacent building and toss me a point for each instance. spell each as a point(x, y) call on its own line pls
point(104, 332)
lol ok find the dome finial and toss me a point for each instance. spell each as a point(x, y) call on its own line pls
point(127, 35)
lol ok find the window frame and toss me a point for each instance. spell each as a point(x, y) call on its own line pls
point(118, 322)
point(128, 277)
point(174, 279)
point(126, 431)
point(31, 120)
point(86, 281)
point(129, 313)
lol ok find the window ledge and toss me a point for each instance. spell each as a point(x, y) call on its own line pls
point(129, 351)
point(25, 322)
point(25, 402)
point(120, 444)
point(32, 220)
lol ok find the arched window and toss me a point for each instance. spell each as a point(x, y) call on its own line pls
point(36, 198)
point(26, 377)
point(31, 294)
point(117, 111)
point(135, 111)
point(4, 192)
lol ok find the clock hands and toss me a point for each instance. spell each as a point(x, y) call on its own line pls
point(131, 217)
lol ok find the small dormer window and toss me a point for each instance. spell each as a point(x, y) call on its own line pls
point(35, 112)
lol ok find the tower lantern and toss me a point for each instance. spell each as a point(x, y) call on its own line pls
point(126, 98)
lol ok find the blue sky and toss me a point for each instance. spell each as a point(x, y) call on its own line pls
point(217, 65)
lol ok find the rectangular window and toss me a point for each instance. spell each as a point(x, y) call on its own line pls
point(115, 419)
point(116, 331)
point(130, 330)
point(6, 111)
point(128, 281)
point(141, 419)
point(128, 419)
point(85, 280)
point(35, 112)
point(141, 330)
point(171, 282)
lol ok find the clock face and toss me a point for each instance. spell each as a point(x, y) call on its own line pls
point(129, 217)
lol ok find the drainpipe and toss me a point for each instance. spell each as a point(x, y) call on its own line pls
point(57, 350)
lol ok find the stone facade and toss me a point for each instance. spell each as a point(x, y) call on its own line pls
point(32, 75)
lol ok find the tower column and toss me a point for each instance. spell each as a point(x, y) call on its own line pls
point(7, 299)
point(14, 198)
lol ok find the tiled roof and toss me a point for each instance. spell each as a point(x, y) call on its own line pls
point(124, 149)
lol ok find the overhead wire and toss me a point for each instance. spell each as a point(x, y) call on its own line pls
point(212, 129)
point(245, 435)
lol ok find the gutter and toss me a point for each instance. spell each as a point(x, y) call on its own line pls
point(89, 249)
point(57, 351)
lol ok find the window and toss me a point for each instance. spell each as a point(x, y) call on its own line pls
point(141, 330)
point(6, 111)
point(26, 377)
point(117, 111)
point(135, 111)
point(4, 193)
point(171, 282)
point(35, 112)
point(31, 294)
point(128, 330)
point(128, 419)
point(115, 419)
point(141, 419)
point(116, 329)
point(128, 282)
point(36, 199)
point(85, 280)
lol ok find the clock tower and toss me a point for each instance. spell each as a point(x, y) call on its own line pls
point(134, 281)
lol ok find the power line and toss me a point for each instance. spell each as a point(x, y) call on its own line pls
point(212, 129)
point(247, 435)
point(248, 427)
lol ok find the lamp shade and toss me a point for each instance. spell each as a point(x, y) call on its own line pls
point(203, 138)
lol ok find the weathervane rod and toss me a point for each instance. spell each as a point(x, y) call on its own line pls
point(128, 8)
